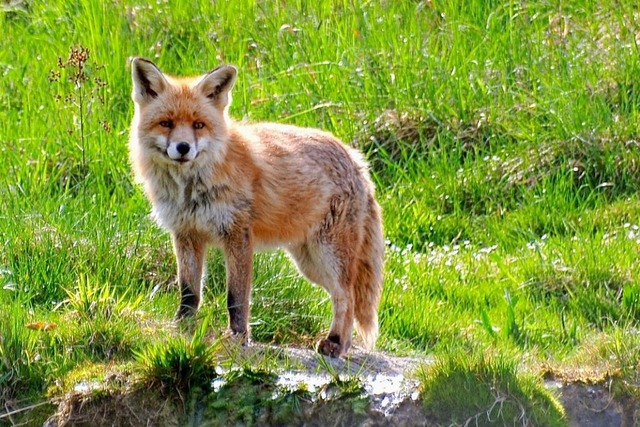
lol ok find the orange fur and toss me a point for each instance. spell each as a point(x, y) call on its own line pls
point(213, 181)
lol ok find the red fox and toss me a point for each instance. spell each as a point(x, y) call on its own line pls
point(241, 187)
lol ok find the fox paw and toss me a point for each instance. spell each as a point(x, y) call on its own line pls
point(329, 348)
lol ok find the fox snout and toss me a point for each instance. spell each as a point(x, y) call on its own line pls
point(181, 151)
point(181, 143)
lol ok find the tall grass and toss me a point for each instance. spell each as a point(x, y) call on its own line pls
point(503, 138)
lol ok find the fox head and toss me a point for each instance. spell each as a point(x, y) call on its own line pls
point(179, 121)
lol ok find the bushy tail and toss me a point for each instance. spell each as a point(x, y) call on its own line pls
point(368, 283)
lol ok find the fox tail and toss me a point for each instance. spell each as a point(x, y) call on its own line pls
point(368, 283)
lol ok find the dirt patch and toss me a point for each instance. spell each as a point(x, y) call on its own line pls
point(595, 405)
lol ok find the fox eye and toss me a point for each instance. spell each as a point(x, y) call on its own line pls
point(167, 123)
point(198, 125)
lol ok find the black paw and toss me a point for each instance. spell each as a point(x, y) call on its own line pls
point(329, 347)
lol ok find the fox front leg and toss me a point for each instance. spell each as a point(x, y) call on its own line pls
point(190, 252)
point(239, 262)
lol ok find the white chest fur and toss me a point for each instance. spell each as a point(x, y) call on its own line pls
point(188, 203)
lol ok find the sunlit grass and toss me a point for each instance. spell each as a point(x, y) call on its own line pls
point(474, 389)
point(179, 364)
point(503, 139)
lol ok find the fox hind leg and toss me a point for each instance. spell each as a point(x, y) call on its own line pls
point(338, 341)
point(334, 270)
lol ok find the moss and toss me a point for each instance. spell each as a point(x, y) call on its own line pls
point(253, 397)
point(249, 397)
point(94, 376)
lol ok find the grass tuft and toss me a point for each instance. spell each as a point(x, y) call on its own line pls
point(180, 364)
point(464, 389)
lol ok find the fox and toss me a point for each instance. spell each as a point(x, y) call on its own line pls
point(240, 187)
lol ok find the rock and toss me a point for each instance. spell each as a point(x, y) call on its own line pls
point(365, 389)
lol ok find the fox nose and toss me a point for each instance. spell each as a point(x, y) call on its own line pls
point(183, 148)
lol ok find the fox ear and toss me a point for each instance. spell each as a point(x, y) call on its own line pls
point(217, 84)
point(148, 80)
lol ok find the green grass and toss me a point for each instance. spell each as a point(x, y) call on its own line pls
point(503, 138)
point(466, 389)
point(178, 364)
